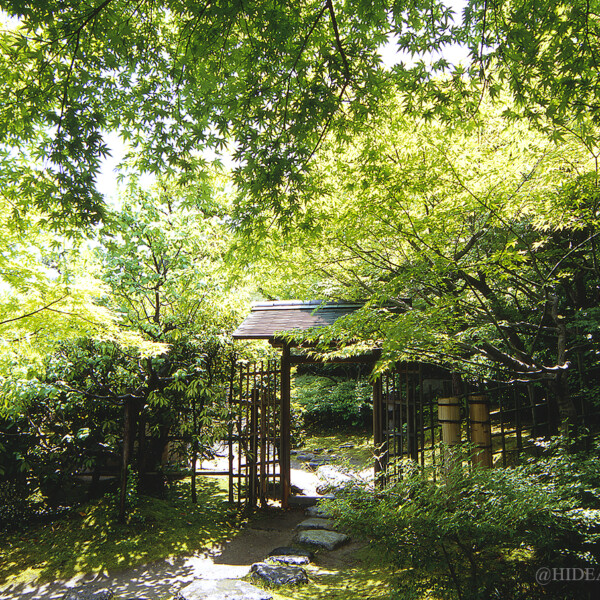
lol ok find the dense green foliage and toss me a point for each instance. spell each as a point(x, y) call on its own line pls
point(164, 357)
point(331, 402)
point(473, 246)
point(460, 202)
point(484, 533)
point(266, 79)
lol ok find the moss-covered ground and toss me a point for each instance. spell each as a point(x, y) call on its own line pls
point(90, 539)
point(361, 454)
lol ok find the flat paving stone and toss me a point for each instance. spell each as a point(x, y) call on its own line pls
point(278, 574)
point(317, 523)
point(316, 512)
point(320, 538)
point(289, 559)
point(222, 589)
point(291, 551)
point(305, 457)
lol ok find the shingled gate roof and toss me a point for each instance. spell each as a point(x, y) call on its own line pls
point(268, 319)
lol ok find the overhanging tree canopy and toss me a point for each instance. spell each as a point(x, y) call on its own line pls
point(268, 79)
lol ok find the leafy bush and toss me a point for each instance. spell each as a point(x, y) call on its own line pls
point(484, 533)
point(13, 505)
point(330, 402)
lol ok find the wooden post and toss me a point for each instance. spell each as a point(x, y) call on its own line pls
point(449, 419)
point(252, 458)
point(284, 451)
point(264, 458)
point(230, 457)
point(481, 431)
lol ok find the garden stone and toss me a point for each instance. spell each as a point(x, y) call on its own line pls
point(86, 593)
point(222, 589)
point(318, 462)
point(305, 457)
point(316, 523)
point(346, 445)
point(330, 540)
point(333, 476)
point(334, 479)
point(316, 512)
point(289, 560)
point(291, 551)
point(279, 575)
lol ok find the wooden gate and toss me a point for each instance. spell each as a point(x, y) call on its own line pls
point(255, 434)
point(404, 421)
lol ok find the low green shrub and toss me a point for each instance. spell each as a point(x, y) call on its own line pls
point(485, 533)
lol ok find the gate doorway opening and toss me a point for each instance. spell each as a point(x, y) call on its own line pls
point(260, 436)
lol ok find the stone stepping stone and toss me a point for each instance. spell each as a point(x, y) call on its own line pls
point(278, 574)
point(316, 523)
point(320, 538)
point(291, 551)
point(316, 512)
point(222, 589)
point(334, 476)
point(305, 457)
point(86, 593)
point(289, 559)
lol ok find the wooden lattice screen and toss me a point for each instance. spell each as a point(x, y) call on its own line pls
point(405, 421)
point(254, 439)
point(408, 422)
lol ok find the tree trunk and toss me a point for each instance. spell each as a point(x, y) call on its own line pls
point(566, 407)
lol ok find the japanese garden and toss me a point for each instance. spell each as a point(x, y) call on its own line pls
point(300, 300)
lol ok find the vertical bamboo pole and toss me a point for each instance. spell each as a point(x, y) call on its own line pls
point(253, 454)
point(502, 434)
point(377, 429)
point(393, 423)
point(422, 425)
point(284, 455)
point(266, 427)
point(230, 426)
point(275, 417)
point(481, 430)
point(239, 434)
point(264, 388)
point(377, 425)
point(518, 424)
point(449, 419)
